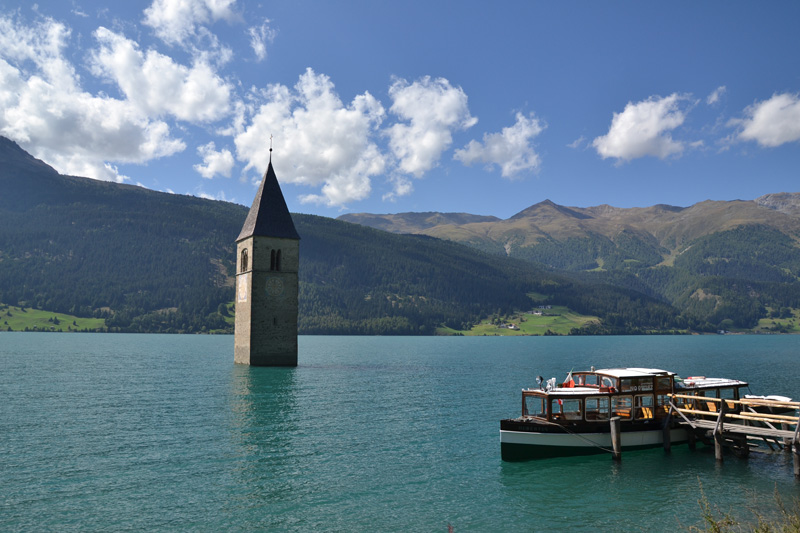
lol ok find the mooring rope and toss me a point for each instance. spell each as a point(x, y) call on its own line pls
point(547, 422)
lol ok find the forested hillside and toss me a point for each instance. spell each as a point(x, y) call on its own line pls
point(150, 261)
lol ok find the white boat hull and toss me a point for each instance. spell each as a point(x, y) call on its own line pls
point(529, 445)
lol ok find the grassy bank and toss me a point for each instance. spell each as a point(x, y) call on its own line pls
point(557, 320)
point(14, 318)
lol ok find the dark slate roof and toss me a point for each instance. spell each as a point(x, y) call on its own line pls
point(269, 216)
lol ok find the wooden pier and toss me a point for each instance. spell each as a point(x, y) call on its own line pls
point(736, 424)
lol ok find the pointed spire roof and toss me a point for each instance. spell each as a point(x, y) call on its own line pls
point(269, 216)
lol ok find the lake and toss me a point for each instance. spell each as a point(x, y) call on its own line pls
point(163, 432)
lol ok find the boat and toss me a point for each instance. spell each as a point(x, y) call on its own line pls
point(771, 404)
point(573, 417)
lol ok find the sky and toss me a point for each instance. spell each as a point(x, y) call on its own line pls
point(389, 107)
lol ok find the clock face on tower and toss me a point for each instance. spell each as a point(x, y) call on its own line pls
point(275, 288)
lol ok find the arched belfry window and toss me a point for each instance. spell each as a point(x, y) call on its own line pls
point(244, 261)
point(272, 260)
point(278, 261)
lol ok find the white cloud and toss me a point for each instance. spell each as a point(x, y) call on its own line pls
point(577, 143)
point(771, 122)
point(43, 108)
point(402, 186)
point(214, 162)
point(157, 85)
point(433, 110)
point(718, 93)
point(219, 196)
point(259, 37)
point(176, 21)
point(643, 129)
point(511, 149)
point(318, 140)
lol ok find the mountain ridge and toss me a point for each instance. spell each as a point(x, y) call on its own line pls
point(670, 226)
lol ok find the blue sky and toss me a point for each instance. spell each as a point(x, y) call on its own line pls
point(387, 107)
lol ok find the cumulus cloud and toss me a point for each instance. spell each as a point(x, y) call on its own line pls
point(715, 96)
point(259, 37)
point(214, 162)
point(176, 21)
point(771, 122)
point(643, 129)
point(156, 84)
point(318, 140)
point(432, 110)
point(511, 149)
point(43, 107)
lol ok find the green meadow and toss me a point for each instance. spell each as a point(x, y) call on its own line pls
point(789, 323)
point(558, 320)
point(14, 318)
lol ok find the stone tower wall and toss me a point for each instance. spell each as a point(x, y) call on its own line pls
point(267, 302)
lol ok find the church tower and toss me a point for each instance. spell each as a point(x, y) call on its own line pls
point(268, 259)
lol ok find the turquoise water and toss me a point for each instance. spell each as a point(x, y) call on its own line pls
point(159, 432)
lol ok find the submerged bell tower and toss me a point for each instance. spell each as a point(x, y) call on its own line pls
point(267, 264)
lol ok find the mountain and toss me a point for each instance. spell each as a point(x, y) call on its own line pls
point(414, 222)
point(661, 227)
point(715, 260)
point(150, 261)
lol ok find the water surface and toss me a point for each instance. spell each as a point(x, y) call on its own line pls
point(164, 432)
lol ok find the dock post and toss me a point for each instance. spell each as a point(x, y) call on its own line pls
point(796, 458)
point(616, 438)
point(718, 446)
point(718, 429)
point(692, 439)
point(667, 432)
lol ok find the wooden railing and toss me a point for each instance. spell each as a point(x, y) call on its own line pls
point(729, 405)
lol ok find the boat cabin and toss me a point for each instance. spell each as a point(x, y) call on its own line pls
point(633, 394)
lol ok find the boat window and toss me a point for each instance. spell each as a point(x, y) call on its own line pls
point(635, 384)
point(662, 404)
point(591, 380)
point(567, 409)
point(664, 383)
point(534, 406)
point(597, 408)
point(621, 406)
point(643, 406)
point(726, 393)
point(609, 382)
point(698, 404)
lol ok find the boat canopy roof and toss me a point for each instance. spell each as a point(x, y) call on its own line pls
point(633, 372)
point(703, 382)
